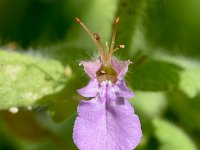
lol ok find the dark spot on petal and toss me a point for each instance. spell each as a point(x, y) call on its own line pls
point(120, 101)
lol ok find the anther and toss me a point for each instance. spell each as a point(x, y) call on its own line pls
point(114, 35)
point(96, 36)
point(121, 46)
point(78, 20)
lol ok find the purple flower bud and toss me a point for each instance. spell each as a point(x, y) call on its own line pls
point(107, 121)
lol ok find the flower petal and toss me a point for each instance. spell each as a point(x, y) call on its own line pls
point(122, 90)
point(110, 125)
point(91, 67)
point(110, 92)
point(89, 126)
point(124, 126)
point(90, 90)
point(121, 67)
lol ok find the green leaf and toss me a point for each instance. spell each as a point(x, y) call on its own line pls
point(67, 131)
point(172, 137)
point(190, 81)
point(63, 103)
point(129, 13)
point(25, 79)
point(25, 125)
point(28, 128)
point(150, 104)
point(174, 26)
point(189, 75)
point(7, 142)
point(186, 109)
point(154, 75)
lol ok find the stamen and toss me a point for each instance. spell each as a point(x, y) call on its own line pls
point(118, 47)
point(121, 46)
point(77, 20)
point(96, 36)
point(107, 46)
point(114, 35)
point(97, 43)
point(105, 52)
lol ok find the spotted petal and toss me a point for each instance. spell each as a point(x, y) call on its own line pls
point(106, 125)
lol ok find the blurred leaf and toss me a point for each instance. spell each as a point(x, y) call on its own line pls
point(67, 131)
point(188, 76)
point(154, 75)
point(129, 12)
point(7, 142)
point(63, 103)
point(25, 79)
point(44, 145)
point(24, 124)
point(186, 109)
point(96, 19)
point(172, 137)
point(150, 104)
point(68, 54)
point(190, 81)
point(30, 22)
point(173, 25)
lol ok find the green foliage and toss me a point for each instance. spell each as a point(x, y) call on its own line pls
point(190, 80)
point(154, 75)
point(189, 107)
point(25, 79)
point(171, 136)
point(144, 99)
point(173, 25)
point(161, 39)
point(129, 13)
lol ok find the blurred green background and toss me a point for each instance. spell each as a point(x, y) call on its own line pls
point(41, 46)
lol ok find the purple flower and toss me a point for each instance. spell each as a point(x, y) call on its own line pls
point(107, 121)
